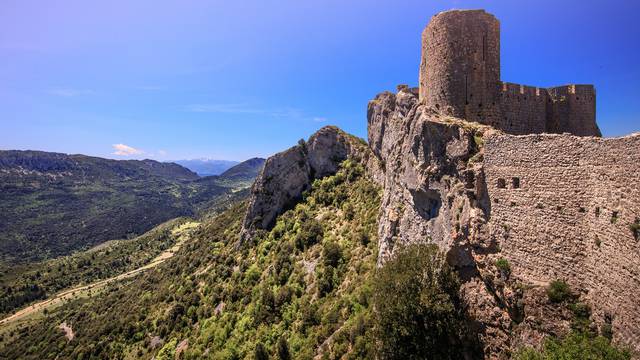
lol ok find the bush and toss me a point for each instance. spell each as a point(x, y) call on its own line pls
point(576, 345)
point(581, 317)
point(331, 254)
point(558, 291)
point(311, 233)
point(417, 309)
point(326, 281)
point(503, 265)
point(260, 352)
point(283, 349)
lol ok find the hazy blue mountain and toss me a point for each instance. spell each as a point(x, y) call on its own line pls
point(246, 170)
point(207, 167)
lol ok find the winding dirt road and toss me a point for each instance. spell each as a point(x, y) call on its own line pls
point(180, 231)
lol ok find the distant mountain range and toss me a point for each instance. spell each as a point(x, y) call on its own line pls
point(52, 204)
point(207, 167)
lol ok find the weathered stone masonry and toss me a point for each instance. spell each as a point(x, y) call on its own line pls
point(563, 209)
point(460, 76)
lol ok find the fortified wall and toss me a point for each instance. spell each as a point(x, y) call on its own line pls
point(460, 76)
point(565, 209)
point(556, 206)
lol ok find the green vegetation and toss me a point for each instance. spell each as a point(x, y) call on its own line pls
point(302, 288)
point(55, 204)
point(577, 345)
point(23, 284)
point(559, 291)
point(582, 342)
point(417, 307)
point(503, 265)
point(307, 288)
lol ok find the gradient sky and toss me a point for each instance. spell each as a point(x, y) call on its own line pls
point(236, 79)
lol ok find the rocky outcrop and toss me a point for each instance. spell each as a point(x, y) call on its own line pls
point(433, 192)
point(288, 174)
point(429, 178)
point(533, 200)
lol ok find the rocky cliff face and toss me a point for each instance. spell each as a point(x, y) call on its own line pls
point(532, 201)
point(434, 192)
point(438, 187)
point(288, 174)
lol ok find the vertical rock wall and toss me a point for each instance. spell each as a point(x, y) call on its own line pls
point(555, 206)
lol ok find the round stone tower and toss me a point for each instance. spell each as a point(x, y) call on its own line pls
point(460, 67)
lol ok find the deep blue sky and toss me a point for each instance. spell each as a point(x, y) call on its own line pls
point(236, 79)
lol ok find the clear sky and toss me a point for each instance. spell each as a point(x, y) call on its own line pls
point(236, 79)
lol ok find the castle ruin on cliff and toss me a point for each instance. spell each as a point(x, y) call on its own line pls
point(460, 76)
point(491, 171)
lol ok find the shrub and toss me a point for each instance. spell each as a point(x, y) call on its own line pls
point(417, 309)
point(581, 317)
point(266, 308)
point(503, 265)
point(310, 233)
point(260, 352)
point(309, 314)
point(283, 349)
point(283, 296)
point(326, 281)
point(331, 253)
point(558, 291)
point(576, 345)
point(606, 331)
point(361, 237)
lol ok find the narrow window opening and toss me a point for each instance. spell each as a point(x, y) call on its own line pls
point(597, 211)
point(466, 91)
point(484, 47)
point(515, 182)
point(502, 184)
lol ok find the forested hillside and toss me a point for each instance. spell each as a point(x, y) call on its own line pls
point(53, 204)
point(306, 281)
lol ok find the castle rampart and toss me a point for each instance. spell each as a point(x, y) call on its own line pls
point(460, 76)
point(565, 209)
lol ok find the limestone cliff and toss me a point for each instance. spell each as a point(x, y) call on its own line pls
point(553, 206)
point(288, 174)
point(545, 203)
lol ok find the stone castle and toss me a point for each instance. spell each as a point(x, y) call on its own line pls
point(460, 75)
point(489, 170)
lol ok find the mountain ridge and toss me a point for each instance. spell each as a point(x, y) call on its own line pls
point(52, 203)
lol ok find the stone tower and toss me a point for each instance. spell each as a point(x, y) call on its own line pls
point(460, 67)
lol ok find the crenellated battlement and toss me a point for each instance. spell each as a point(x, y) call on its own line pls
point(512, 89)
point(460, 76)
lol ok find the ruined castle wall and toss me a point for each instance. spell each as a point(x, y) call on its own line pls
point(523, 109)
point(460, 67)
point(572, 109)
point(561, 207)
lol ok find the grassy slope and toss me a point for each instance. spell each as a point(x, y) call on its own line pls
point(307, 280)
